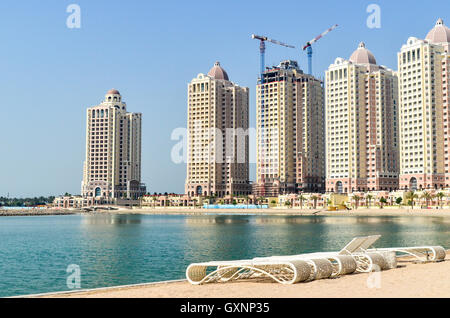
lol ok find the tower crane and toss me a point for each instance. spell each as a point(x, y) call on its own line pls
point(308, 47)
point(262, 47)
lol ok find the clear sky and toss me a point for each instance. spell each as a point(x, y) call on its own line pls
point(149, 51)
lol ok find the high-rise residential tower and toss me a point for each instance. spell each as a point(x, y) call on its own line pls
point(218, 141)
point(424, 70)
point(290, 132)
point(361, 125)
point(112, 169)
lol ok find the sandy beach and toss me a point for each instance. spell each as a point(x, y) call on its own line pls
point(409, 280)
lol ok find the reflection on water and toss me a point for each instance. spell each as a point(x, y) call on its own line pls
point(126, 249)
point(111, 219)
point(216, 220)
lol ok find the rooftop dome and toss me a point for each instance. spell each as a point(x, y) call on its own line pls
point(218, 72)
point(363, 55)
point(113, 92)
point(439, 34)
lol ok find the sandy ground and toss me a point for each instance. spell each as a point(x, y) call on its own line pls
point(409, 280)
point(298, 212)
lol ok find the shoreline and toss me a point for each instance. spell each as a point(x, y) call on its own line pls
point(409, 280)
point(37, 212)
point(360, 212)
point(285, 212)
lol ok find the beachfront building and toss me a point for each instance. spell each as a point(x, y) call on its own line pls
point(424, 70)
point(361, 125)
point(73, 202)
point(171, 200)
point(218, 141)
point(112, 169)
point(290, 132)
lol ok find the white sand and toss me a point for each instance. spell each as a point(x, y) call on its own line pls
point(409, 280)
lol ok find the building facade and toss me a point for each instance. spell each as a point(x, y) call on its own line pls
point(290, 132)
point(423, 68)
point(218, 141)
point(112, 169)
point(361, 125)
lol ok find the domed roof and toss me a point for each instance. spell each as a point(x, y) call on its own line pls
point(439, 34)
point(113, 92)
point(218, 72)
point(363, 55)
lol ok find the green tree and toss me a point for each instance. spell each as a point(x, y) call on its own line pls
point(315, 198)
point(383, 201)
point(356, 198)
point(427, 196)
point(410, 197)
point(440, 196)
point(369, 198)
point(301, 198)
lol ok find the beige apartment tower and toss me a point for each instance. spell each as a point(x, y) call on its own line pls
point(424, 70)
point(362, 134)
point(218, 141)
point(290, 132)
point(112, 169)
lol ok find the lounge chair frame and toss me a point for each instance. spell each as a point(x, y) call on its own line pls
point(282, 272)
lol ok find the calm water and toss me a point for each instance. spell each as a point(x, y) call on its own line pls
point(116, 250)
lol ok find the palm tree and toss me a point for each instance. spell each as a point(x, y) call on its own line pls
point(260, 200)
point(314, 198)
point(369, 198)
point(410, 197)
point(427, 196)
point(382, 202)
point(356, 198)
point(440, 196)
point(301, 198)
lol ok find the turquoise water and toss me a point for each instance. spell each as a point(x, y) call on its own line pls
point(116, 250)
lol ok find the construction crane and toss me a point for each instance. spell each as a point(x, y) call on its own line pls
point(262, 48)
point(308, 47)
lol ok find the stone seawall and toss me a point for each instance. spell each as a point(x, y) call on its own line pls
point(37, 212)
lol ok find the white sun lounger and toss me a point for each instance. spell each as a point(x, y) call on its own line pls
point(356, 256)
point(284, 272)
point(286, 269)
point(420, 253)
point(352, 258)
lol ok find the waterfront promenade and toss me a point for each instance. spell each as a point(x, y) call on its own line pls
point(409, 280)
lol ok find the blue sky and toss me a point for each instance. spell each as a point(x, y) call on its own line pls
point(149, 51)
